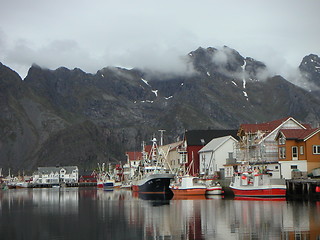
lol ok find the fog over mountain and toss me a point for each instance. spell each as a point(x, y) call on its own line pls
point(154, 35)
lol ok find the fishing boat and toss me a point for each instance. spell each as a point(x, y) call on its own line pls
point(104, 179)
point(104, 182)
point(188, 185)
point(22, 184)
point(213, 188)
point(259, 185)
point(153, 174)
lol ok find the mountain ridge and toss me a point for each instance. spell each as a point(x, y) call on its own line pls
point(68, 116)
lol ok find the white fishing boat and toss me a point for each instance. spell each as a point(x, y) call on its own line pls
point(188, 185)
point(104, 180)
point(213, 188)
point(262, 185)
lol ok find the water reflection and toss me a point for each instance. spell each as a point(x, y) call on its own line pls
point(54, 201)
point(121, 214)
point(194, 217)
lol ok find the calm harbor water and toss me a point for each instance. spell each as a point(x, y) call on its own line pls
point(88, 213)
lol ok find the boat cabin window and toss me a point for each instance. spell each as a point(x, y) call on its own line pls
point(294, 167)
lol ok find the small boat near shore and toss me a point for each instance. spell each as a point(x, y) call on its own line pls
point(214, 188)
point(258, 185)
point(104, 179)
point(105, 184)
point(17, 184)
point(188, 185)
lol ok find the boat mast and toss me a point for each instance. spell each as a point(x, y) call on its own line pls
point(161, 136)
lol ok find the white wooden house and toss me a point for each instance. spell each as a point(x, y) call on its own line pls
point(214, 155)
point(56, 175)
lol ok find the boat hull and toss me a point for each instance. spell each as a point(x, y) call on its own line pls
point(106, 185)
point(260, 192)
point(214, 191)
point(155, 183)
point(189, 191)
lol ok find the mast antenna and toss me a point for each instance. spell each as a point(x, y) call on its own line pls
point(161, 136)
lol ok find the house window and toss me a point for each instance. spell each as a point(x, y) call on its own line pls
point(183, 158)
point(294, 152)
point(282, 140)
point(282, 152)
point(316, 149)
point(294, 167)
point(301, 150)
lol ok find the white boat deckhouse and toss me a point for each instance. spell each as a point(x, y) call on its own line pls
point(56, 175)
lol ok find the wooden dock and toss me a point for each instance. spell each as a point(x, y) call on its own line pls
point(303, 188)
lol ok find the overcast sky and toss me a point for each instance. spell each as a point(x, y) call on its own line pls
point(154, 34)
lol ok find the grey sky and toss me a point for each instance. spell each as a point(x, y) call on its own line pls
point(154, 34)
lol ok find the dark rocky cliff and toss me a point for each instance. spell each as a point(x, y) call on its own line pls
point(67, 116)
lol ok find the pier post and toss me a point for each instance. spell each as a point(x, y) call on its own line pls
point(308, 188)
point(293, 188)
point(303, 188)
point(288, 187)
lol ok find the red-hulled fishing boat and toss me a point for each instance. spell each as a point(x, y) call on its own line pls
point(260, 185)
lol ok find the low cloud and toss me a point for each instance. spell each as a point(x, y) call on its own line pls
point(154, 59)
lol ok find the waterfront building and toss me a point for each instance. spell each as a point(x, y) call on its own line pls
point(217, 153)
point(193, 141)
point(172, 156)
point(56, 175)
point(134, 159)
point(298, 150)
point(258, 148)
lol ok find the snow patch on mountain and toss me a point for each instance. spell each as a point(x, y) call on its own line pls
point(145, 81)
point(155, 92)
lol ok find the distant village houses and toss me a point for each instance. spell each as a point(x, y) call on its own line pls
point(281, 147)
point(56, 175)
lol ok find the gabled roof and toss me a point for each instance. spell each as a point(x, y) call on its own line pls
point(298, 134)
point(215, 143)
point(202, 137)
point(134, 156)
point(171, 146)
point(48, 170)
point(269, 126)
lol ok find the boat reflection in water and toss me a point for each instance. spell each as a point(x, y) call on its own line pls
point(52, 213)
point(260, 198)
point(156, 199)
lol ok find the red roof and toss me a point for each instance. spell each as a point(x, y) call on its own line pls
point(134, 156)
point(298, 134)
point(267, 127)
point(147, 149)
